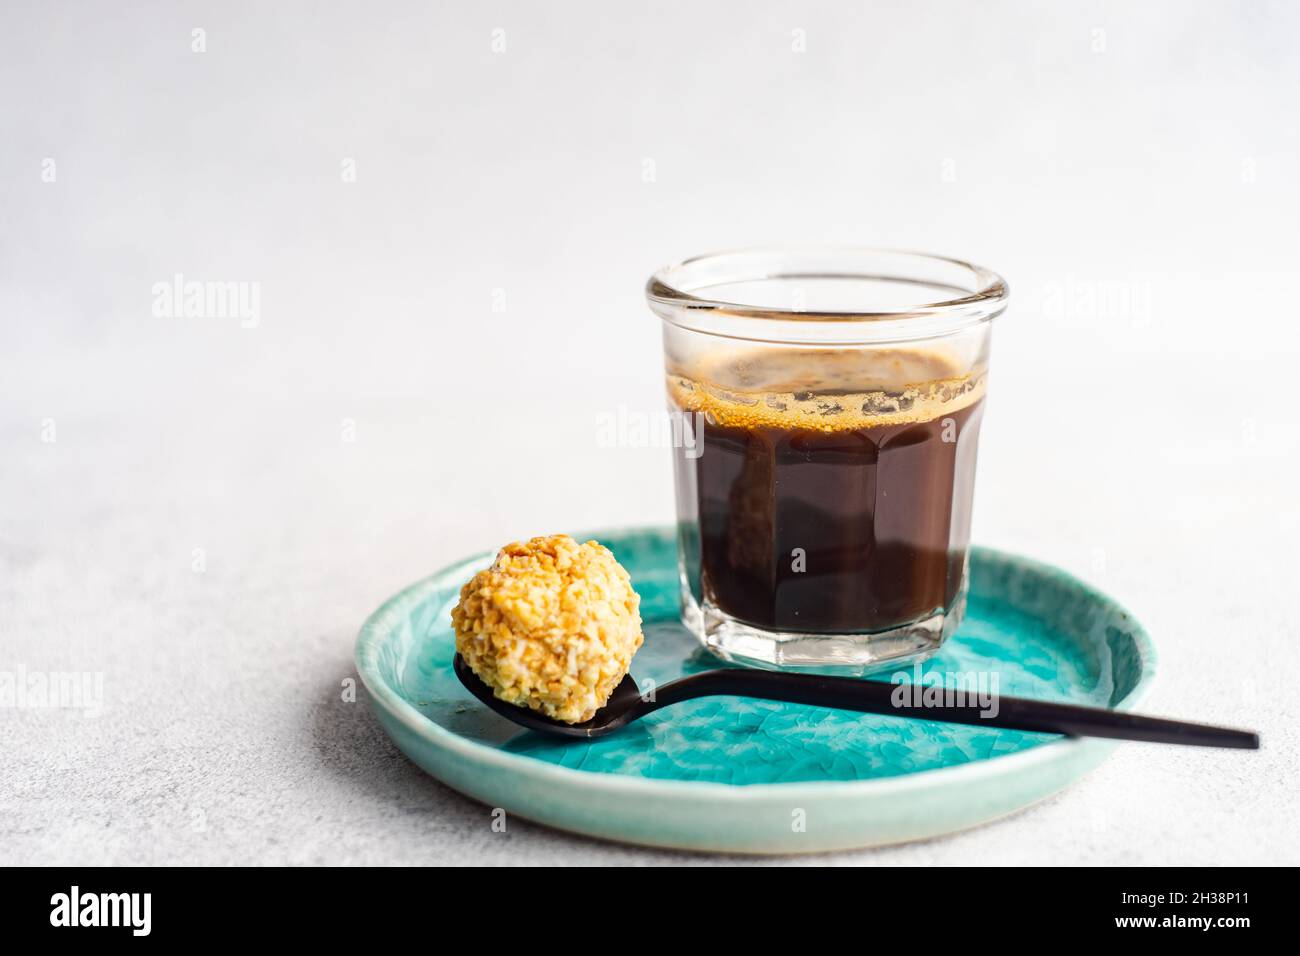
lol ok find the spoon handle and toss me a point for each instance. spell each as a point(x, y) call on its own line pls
point(895, 700)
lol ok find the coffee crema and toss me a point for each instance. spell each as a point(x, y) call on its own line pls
point(831, 489)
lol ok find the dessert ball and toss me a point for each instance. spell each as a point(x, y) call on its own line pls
point(551, 625)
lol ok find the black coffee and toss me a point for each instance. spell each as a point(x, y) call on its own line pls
point(832, 490)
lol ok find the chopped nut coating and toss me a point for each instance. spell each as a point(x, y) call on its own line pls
point(551, 625)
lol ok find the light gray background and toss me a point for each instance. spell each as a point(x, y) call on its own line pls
point(1131, 168)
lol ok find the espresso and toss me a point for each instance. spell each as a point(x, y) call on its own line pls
point(827, 491)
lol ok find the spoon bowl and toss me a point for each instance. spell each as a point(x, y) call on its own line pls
point(618, 712)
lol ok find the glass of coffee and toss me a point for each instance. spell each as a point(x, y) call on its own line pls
point(829, 405)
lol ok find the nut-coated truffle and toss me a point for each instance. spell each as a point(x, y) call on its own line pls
point(552, 625)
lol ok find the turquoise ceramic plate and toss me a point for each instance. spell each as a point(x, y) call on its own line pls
point(753, 776)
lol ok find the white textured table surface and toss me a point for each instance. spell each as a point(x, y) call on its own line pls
point(204, 513)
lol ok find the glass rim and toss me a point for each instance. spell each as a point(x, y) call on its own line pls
point(677, 295)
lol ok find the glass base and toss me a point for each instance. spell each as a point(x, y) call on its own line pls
point(840, 654)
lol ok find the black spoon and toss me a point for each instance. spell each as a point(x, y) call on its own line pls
point(627, 704)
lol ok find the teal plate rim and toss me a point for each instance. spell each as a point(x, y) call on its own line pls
point(377, 626)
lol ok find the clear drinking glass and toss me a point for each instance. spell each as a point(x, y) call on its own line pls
point(830, 404)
